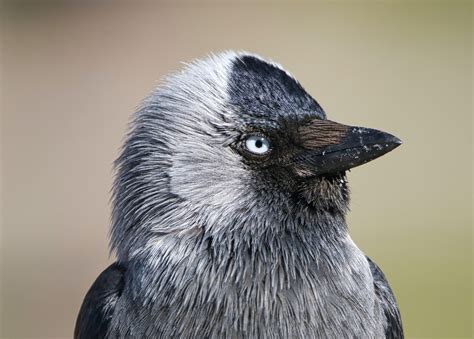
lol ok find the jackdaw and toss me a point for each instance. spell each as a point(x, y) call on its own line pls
point(229, 215)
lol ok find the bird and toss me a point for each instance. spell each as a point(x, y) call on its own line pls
point(229, 215)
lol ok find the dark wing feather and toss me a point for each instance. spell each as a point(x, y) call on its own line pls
point(393, 328)
point(99, 304)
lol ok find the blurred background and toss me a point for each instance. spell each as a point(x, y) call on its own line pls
point(72, 72)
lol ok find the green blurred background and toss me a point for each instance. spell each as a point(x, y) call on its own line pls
point(73, 72)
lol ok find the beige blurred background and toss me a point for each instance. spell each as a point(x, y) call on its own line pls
point(72, 72)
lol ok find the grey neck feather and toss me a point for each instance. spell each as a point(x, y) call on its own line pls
point(310, 283)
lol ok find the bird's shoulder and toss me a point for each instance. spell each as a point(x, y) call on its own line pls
point(393, 327)
point(99, 303)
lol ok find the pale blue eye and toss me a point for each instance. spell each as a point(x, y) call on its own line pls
point(257, 144)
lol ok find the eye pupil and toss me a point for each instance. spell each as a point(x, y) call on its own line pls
point(258, 143)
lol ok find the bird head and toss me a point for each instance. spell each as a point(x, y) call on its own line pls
point(233, 143)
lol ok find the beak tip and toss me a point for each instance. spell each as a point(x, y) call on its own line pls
point(395, 141)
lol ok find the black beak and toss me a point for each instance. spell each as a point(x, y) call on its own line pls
point(330, 147)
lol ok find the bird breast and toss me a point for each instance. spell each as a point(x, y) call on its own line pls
point(264, 296)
